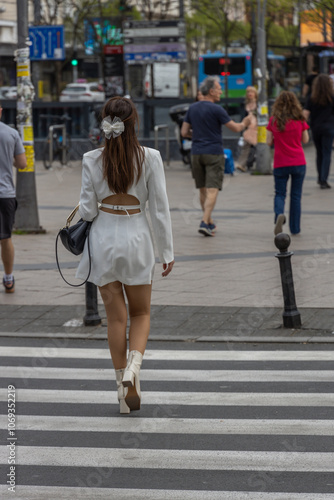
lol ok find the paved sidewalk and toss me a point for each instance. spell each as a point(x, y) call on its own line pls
point(181, 323)
point(222, 288)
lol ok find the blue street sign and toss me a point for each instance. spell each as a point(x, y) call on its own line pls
point(146, 57)
point(47, 43)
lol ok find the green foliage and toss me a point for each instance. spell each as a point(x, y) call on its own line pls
point(279, 35)
point(212, 20)
point(211, 24)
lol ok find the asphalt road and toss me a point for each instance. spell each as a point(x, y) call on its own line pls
point(218, 421)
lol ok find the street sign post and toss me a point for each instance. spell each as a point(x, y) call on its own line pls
point(26, 217)
point(47, 43)
point(146, 42)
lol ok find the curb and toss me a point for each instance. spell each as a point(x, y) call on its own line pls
point(178, 338)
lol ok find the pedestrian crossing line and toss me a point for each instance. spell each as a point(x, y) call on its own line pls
point(55, 493)
point(173, 459)
point(173, 375)
point(51, 351)
point(174, 425)
point(175, 398)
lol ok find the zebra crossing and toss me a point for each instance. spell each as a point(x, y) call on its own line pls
point(218, 421)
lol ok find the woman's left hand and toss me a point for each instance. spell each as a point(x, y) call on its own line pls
point(167, 268)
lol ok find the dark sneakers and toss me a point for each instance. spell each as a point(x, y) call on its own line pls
point(9, 285)
point(212, 226)
point(280, 221)
point(205, 229)
point(324, 185)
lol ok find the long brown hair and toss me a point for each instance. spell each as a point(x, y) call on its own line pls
point(322, 90)
point(285, 108)
point(122, 156)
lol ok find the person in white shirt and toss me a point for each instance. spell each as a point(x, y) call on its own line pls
point(122, 177)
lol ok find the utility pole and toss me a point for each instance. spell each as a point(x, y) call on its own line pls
point(26, 218)
point(263, 156)
point(181, 9)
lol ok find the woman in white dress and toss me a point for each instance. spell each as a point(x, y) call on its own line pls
point(121, 178)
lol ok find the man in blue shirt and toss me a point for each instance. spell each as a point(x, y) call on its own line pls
point(203, 123)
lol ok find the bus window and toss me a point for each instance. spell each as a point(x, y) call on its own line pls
point(216, 65)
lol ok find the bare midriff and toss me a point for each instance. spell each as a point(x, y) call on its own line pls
point(121, 199)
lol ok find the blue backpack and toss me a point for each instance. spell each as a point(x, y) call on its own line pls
point(229, 162)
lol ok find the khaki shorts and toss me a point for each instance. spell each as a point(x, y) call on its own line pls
point(208, 170)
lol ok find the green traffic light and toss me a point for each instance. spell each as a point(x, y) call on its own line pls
point(74, 62)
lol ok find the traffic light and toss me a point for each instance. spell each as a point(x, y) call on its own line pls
point(74, 60)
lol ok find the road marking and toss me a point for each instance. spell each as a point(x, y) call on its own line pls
point(51, 493)
point(174, 459)
point(174, 425)
point(175, 398)
point(178, 375)
point(52, 351)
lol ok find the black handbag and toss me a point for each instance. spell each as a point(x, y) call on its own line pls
point(73, 238)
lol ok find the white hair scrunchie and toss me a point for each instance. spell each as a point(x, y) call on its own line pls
point(112, 128)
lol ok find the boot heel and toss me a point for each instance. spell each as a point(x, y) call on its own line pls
point(131, 380)
point(123, 407)
point(128, 379)
point(122, 392)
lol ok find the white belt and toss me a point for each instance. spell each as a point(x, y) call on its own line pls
point(123, 208)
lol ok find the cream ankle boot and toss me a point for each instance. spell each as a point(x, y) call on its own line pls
point(131, 380)
point(122, 391)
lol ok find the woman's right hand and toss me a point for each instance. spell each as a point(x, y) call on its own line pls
point(167, 268)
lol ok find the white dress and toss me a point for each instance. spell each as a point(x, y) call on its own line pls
point(121, 246)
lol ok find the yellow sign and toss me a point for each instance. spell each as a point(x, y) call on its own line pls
point(23, 70)
point(261, 135)
point(30, 155)
point(264, 109)
point(40, 88)
point(28, 133)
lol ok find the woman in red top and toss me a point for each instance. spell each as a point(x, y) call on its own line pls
point(287, 130)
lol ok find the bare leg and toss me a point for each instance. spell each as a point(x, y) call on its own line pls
point(202, 196)
point(243, 157)
point(114, 303)
point(7, 255)
point(202, 199)
point(210, 201)
point(139, 298)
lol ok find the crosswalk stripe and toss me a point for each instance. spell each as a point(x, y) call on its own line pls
point(52, 351)
point(173, 375)
point(173, 425)
point(175, 398)
point(173, 459)
point(55, 493)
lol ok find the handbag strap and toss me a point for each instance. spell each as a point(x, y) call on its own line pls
point(71, 216)
point(90, 260)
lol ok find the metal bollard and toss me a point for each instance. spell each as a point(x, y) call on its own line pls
point(291, 315)
point(91, 317)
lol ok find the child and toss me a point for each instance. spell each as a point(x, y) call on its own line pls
point(287, 130)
